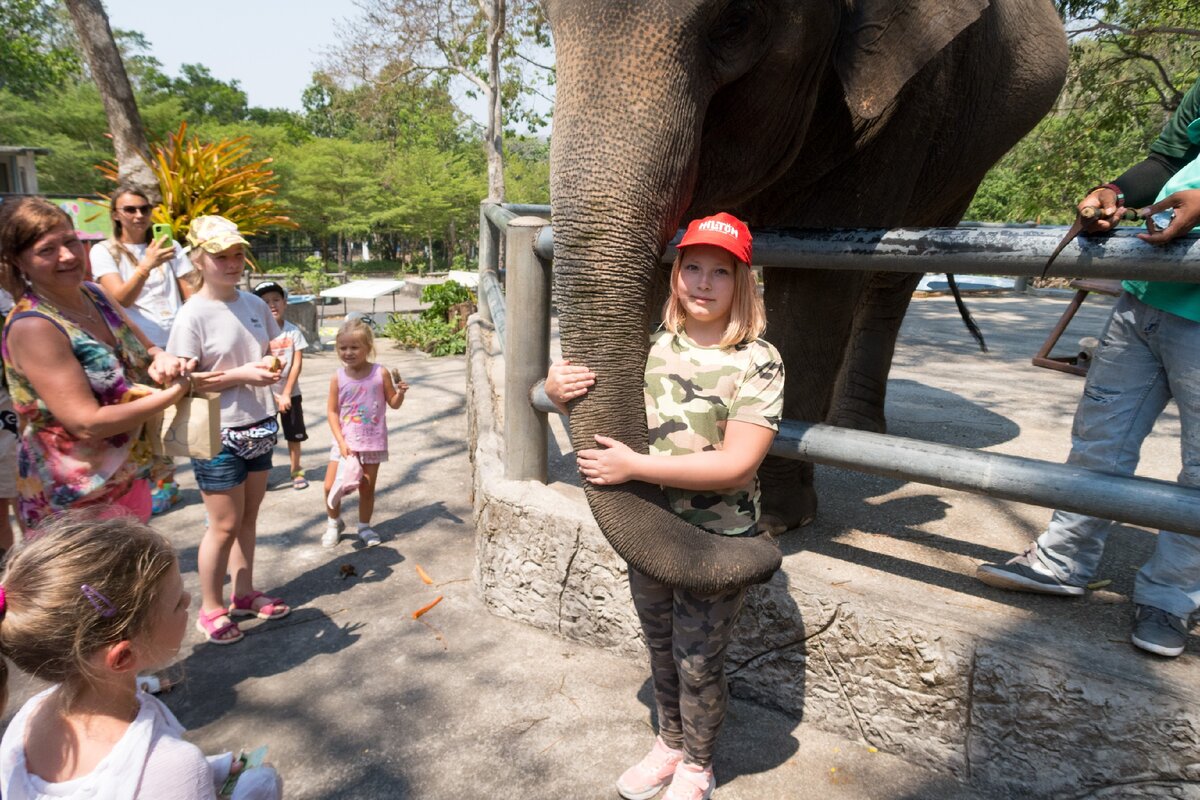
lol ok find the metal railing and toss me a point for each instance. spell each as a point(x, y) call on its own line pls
point(528, 247)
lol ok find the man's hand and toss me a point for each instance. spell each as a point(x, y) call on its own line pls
point(1107, 214)
point(284, 401)
point(1187, 215)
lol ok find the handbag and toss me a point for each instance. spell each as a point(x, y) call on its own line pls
point(192, 427)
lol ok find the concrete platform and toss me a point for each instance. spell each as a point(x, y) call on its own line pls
point(875, 629)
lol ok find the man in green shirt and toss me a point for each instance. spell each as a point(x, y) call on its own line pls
point(1149, 354)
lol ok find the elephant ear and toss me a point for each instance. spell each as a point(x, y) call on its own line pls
point(884, 43)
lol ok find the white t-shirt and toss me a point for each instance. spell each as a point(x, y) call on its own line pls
point(224, 335)
point(292, 332)
point(157, 304)
point(149, 761)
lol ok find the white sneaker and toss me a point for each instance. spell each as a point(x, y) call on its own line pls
point(369, 537)
point(332, 533)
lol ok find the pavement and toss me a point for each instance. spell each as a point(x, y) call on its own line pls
point(356, 698)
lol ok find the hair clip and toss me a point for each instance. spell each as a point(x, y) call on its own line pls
point(3, 601)
point(102, 604)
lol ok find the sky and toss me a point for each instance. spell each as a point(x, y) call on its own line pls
point(270, 47)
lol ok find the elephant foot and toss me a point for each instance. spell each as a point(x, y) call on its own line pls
point(793, 510)
point(789, 500)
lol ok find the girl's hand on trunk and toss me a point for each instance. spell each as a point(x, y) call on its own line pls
point(566, 381)
point(610, 466)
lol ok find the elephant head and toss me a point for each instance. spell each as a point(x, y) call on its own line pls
point(669, 108)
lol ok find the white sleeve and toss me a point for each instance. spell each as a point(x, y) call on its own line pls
point(297, 336)
point(181, 263)
point(185, 340)
point(176, 770)
point(102, 261)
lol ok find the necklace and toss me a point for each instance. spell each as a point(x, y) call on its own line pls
point(88, 315)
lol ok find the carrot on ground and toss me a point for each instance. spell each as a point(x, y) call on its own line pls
point(423, 575)
point(423, 609)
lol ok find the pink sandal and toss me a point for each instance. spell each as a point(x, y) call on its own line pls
point(214, 633)
point(274, 608)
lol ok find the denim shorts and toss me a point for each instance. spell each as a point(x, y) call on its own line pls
point(227, 470)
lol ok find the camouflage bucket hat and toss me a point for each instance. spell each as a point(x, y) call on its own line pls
point(213, 234)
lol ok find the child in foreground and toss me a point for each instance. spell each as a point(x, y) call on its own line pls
point(86, 605)
point(288, 399)
point(358, 394)
point(714, 395)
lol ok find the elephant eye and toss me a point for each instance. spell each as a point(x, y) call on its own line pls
point(735, 21)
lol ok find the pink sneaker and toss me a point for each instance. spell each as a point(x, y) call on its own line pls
point(691, 782)
point(644, 779)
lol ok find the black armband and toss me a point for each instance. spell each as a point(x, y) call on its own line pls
point(1142, 182)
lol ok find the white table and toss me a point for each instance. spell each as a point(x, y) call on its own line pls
point(370, 289)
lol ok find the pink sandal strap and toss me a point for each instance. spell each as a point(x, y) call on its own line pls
point(268, 608)
point(216, 631)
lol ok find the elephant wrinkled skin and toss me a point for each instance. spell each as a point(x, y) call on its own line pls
point(838, 113)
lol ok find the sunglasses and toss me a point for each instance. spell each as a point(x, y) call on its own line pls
point(136, 209)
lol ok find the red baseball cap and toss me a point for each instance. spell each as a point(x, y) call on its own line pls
point(722, 230)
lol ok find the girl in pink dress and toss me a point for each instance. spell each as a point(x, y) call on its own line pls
point(359, 394)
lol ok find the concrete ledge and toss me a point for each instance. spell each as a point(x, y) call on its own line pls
point(1002, 694)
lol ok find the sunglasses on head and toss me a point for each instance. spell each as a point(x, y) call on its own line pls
point(136, 209)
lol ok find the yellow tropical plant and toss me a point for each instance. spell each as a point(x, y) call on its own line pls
point(198, 178)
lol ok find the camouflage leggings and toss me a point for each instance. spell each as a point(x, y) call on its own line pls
point(687, 635)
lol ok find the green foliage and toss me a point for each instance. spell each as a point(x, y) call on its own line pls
point(1131, 63)
point(307, 278)
point(331, 186)
point(36, 52)
point(436, 337)
point(198, 178)
point(442, 296)
point(394, 163)
point(206, 97)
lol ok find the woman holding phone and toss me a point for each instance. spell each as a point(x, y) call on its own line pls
point(141, 267)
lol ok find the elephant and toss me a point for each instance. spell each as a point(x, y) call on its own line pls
point(809, 113)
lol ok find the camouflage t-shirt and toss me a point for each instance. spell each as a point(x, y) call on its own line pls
point(691, 392)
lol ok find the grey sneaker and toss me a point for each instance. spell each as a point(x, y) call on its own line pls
point(1026, 573)
point(1157, 631)
point(369, 537)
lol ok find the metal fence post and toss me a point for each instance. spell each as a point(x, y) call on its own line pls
point(489, 256)
point(526, 350)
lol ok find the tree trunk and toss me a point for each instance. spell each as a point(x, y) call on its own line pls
point(341, 253)
point(124, 121)
point(494, 136)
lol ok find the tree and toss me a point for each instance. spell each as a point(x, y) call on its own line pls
point(1131, 63)
point(331, 187)
point(36, 54)
point(479, 41)
point(125, 123)
point(206, 97)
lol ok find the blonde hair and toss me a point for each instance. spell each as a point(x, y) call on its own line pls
point(22, 222)
point(356, 327)
point(747, 315)
point(51, 626)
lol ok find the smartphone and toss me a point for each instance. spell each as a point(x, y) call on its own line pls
point(161, 232)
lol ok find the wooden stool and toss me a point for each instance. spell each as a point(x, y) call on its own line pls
point(1072, 363)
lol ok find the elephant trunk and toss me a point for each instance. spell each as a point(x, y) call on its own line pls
point(623, 166)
